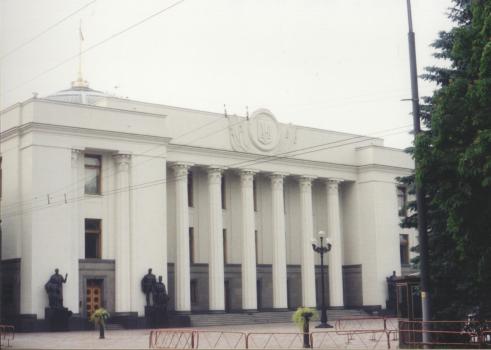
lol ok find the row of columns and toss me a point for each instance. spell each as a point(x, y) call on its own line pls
point(248, 263)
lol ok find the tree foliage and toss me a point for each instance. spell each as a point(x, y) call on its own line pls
point(454, 164)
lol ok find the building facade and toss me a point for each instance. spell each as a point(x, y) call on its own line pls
point(223, 207)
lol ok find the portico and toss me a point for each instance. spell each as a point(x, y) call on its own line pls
point(249, 207)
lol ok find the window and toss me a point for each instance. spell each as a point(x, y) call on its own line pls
point(257, 246)
point(401, 201)
point(254, 193)
point(224, 245)
point(404, 246)
point(92, 238)
point(191, 245)
point(190, 190)
point(194, 291)
point(224, 198)
point(92, 174)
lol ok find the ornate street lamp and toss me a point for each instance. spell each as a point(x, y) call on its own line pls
point(322, 249)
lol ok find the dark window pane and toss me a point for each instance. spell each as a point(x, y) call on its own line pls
point(404, 249)
point(191, 245)
point(92, 225)
point(92, 174)
point(92, 245)
point(401, 200)
point(224, 203)
point(190, 190)
point(92, 238)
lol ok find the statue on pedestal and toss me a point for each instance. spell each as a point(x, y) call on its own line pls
point(56, 315)
point(54, 288)
point(391, 303)
point(147, 284)
point(159, 294)
point(155, 312)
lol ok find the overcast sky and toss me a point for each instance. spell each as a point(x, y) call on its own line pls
point(333, 64)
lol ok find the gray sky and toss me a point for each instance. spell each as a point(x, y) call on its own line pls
point(333, 64)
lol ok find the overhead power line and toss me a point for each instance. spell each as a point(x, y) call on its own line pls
point(27, 42)
point(112, 36)
point(305, 150)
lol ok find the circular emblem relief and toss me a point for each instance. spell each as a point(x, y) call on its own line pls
point(263, 130)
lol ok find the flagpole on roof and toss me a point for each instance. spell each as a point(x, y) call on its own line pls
point(80, 82)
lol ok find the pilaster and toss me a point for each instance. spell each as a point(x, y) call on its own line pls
point(122, 234)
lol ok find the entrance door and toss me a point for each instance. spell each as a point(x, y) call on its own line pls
point(93, 296)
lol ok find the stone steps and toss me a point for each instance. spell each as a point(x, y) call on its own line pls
point(203, 320)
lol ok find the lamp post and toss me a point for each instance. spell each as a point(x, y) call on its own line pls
point(322, 249)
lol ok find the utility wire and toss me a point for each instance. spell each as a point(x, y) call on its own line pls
point(143, 185)
point(46, 30)
point(115, 35)
point(42, 196)
point(75, 185)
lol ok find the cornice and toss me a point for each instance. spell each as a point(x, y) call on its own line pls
point(101, 108)
point(10, 133)
point(385, 168)
point(71, 130)
point(253, 157)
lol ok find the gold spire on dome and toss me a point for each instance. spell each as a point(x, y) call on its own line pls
point(80, 82)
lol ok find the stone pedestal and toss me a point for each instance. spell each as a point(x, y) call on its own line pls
point(57, 319)
point(156, 317)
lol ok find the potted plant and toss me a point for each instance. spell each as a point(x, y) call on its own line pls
point(301, 318)
point(99, 318)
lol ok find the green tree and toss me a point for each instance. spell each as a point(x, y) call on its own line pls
point(454, 155)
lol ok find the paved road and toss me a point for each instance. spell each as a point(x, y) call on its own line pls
point(139, 339)
point(120, 339)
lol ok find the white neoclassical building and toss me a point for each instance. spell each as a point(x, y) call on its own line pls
point(223, 207)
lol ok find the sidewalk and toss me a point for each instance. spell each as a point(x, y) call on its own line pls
point(120, 339)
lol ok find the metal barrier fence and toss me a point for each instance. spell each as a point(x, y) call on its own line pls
point(387, 334)
point(7, 334)
point(171, 339)
point(385, 323)
point(353, 339)
point(275, 340)
point(220, 340)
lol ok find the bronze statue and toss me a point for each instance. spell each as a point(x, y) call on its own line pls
point(147, 284)
point(159, 294)
point(54, 288)
point(391, 302)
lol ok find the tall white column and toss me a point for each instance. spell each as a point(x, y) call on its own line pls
point(122, 236)
point(215, 267)
point(279, 243)
point(335, 256)
point(182, 273)
point(249, 291)
point(308, 272)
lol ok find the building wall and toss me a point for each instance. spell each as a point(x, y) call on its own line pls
point(41, 170)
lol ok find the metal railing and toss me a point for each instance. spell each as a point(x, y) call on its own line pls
point(7, 334)
point(347, 334)
point(286, 340)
